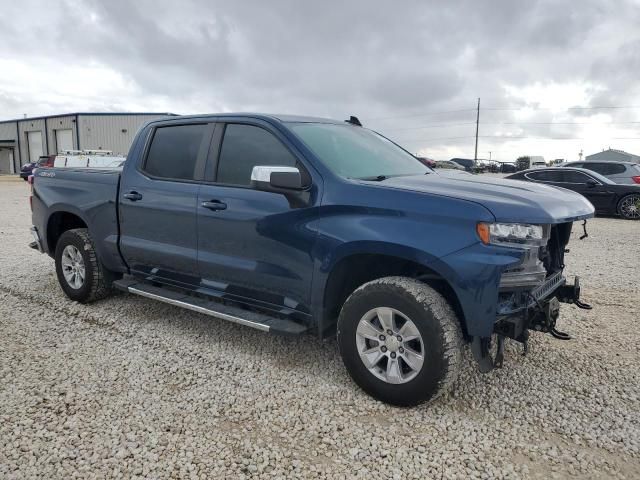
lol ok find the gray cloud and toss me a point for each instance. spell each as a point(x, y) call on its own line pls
point(371, 58)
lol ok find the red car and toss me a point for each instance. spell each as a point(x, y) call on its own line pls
point(43, 161)
point(427, 161)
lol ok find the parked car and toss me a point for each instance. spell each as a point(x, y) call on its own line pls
point(608, 198)
point(295, 224)
point(466, 163)
point(508, 168)
point(618, 172)
point(449, 164)
point(43, 161)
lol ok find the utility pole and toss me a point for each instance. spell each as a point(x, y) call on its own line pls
point(489, 154)
point(475, 155)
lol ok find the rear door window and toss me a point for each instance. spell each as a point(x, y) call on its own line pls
point(173, 152)
point(246, 146)
point(544, 176)
point(569, 176)
point(605, 168)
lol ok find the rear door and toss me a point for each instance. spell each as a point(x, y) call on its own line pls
point(158, 203)
point(252, 244)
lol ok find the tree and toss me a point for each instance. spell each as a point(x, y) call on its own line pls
point(522, 163)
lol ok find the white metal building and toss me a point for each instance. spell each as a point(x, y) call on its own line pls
point(27, 139)
point(613, 155)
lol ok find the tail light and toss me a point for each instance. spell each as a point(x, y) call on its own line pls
point(30, 182)
point(636, 179)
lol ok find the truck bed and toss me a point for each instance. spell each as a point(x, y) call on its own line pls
point(89, 194)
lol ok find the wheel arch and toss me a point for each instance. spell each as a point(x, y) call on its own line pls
point(60, 221)
point(355, 268)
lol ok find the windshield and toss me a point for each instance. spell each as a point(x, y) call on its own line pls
point(355, 152)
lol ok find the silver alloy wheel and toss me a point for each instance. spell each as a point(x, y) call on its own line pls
point(73, 266)
point(390, 345)
point(630, 206)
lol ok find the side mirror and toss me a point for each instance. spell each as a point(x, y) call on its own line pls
point(276, 179)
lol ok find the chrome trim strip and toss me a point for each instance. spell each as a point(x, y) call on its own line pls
point(196, 308)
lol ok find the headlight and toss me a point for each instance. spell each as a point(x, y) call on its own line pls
point(512, 234)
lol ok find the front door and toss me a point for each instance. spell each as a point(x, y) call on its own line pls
point(594, 190)
point(253, 244)
point(158, 204)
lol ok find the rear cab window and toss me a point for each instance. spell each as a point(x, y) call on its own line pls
point(173, 151)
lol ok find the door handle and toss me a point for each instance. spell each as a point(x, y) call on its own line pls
point(133, 196)
point(214, 205)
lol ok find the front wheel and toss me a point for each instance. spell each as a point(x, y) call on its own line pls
point(629, 207)
point(80, 274)
point(400, 340)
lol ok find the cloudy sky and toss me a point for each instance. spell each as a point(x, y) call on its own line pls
point(412, 70)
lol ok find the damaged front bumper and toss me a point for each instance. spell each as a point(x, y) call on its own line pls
point(540, 313)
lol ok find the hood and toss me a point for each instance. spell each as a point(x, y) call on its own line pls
point(508, 200)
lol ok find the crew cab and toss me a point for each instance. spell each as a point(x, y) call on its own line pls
point(295, 224)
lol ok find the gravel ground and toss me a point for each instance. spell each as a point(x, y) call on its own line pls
point(129, 387)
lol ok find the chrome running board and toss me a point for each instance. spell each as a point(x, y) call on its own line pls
point(230, 313)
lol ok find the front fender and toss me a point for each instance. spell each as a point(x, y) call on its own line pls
point(474, 274)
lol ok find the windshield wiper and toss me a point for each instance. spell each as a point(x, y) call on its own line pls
point(374, 178)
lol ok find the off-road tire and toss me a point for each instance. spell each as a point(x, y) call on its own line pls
point(98, 279)
point(437, 323)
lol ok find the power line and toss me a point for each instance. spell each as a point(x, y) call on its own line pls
point(427, 114)
point(508, 137)
point(441, 125)
point(601, 107)
point(422, 114)
point(445, 125)
point(560, 123)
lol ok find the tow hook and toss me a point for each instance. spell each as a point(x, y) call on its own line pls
point(571, 294)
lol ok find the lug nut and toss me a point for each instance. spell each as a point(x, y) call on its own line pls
point(393, 354)
point(389, 332)
point(401, 350)
point(399, 338)
point(384, 349)
point(382, 337)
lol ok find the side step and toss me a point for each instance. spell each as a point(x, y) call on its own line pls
point(230, 313)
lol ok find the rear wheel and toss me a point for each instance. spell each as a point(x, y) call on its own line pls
point(80, 274)
point(629, 207)
point(400, 340)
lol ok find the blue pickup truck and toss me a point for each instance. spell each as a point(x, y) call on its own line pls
point(295, 224)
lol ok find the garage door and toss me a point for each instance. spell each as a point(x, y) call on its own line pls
point(64, 140)
point(35, 145)
point(6, 158)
